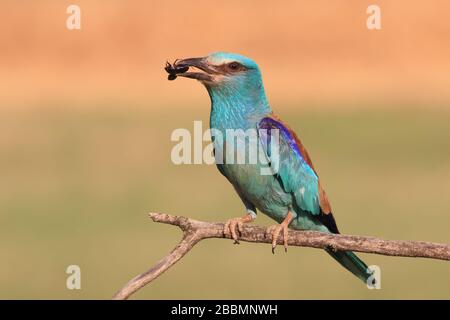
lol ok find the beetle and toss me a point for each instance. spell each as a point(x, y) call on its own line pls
point(174, 69)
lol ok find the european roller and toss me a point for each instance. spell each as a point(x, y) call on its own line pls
point(292, 195)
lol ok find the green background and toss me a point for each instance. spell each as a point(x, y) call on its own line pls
point(76, 184)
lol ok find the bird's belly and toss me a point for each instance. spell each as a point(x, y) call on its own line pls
point(252, 181)
point(264, 191)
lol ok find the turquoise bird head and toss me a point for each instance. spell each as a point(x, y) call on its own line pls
point(222, 69)
point(234, 83)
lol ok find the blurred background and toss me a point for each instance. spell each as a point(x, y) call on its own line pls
point(85, 123)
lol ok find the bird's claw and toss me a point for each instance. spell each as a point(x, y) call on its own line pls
point(232, 227)
point(275, 231)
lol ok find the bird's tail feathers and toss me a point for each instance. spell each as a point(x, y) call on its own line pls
point(352, 263)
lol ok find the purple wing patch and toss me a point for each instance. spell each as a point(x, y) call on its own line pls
point(269, 123)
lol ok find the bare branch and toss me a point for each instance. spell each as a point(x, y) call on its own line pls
point(195, 231)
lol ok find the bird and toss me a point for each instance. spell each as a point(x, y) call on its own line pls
point(293, 194)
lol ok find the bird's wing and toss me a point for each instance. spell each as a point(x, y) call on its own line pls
point(295, 170)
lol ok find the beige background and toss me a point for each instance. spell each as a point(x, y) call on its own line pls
point(308, 50)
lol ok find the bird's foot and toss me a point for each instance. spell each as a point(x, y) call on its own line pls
point(234, 226)
point(275, 231)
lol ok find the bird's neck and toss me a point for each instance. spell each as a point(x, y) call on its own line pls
point(233, 109)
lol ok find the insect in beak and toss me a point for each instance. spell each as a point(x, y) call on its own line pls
point(173, 69)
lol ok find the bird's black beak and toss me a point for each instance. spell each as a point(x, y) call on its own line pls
point(205, 71)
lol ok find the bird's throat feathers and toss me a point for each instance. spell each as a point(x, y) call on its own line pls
point(238, 103)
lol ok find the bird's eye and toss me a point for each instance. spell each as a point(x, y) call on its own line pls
point(234, 66)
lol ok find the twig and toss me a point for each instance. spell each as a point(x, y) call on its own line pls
point(195, 231)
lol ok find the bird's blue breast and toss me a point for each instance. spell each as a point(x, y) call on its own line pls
point(264, 191)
